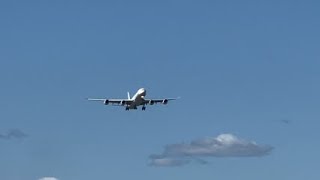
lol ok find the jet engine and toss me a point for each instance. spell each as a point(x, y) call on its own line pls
point(122, 103)
point(151, 102)
point(165, 101)
point(106, 102)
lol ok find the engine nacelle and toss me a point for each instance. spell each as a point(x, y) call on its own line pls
point(106, 102)
point(122, 103)
point(165, 101)
point(151, 102)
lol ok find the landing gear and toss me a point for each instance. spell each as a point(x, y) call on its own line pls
point(143, 108)
point(127, 108)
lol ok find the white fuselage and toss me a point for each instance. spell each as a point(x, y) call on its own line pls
point(138, 98)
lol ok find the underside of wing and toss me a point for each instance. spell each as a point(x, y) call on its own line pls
point(121, 102)
point(156, 101)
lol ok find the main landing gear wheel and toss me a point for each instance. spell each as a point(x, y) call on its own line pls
point(143, 108)
point(127, 108)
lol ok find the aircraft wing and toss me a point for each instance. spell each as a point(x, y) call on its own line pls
point(156, 101)
point(113, 101)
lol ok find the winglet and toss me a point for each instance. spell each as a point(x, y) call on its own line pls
point(176, 98)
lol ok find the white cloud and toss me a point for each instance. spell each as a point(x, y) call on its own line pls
point(13, 134)
point(224, 145)
point(168, 162)
point(48, 178)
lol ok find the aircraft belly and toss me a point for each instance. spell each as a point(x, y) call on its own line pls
point(137, 102)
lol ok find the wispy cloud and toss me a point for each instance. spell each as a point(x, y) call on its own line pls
point(157, 160)
point(48, 178)
point(285, 121)
point(13, 134)
point(224, 145)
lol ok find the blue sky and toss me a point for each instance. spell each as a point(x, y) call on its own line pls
point(249, 68)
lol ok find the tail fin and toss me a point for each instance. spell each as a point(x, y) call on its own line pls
point(129, 95)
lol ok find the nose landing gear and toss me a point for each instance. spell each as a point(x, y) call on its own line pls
point(143, 108)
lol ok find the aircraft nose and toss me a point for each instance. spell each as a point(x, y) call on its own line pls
point(143, 91)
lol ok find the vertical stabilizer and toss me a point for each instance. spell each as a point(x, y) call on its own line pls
point(129, 95)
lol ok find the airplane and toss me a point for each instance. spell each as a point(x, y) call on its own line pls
point(133, 102)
